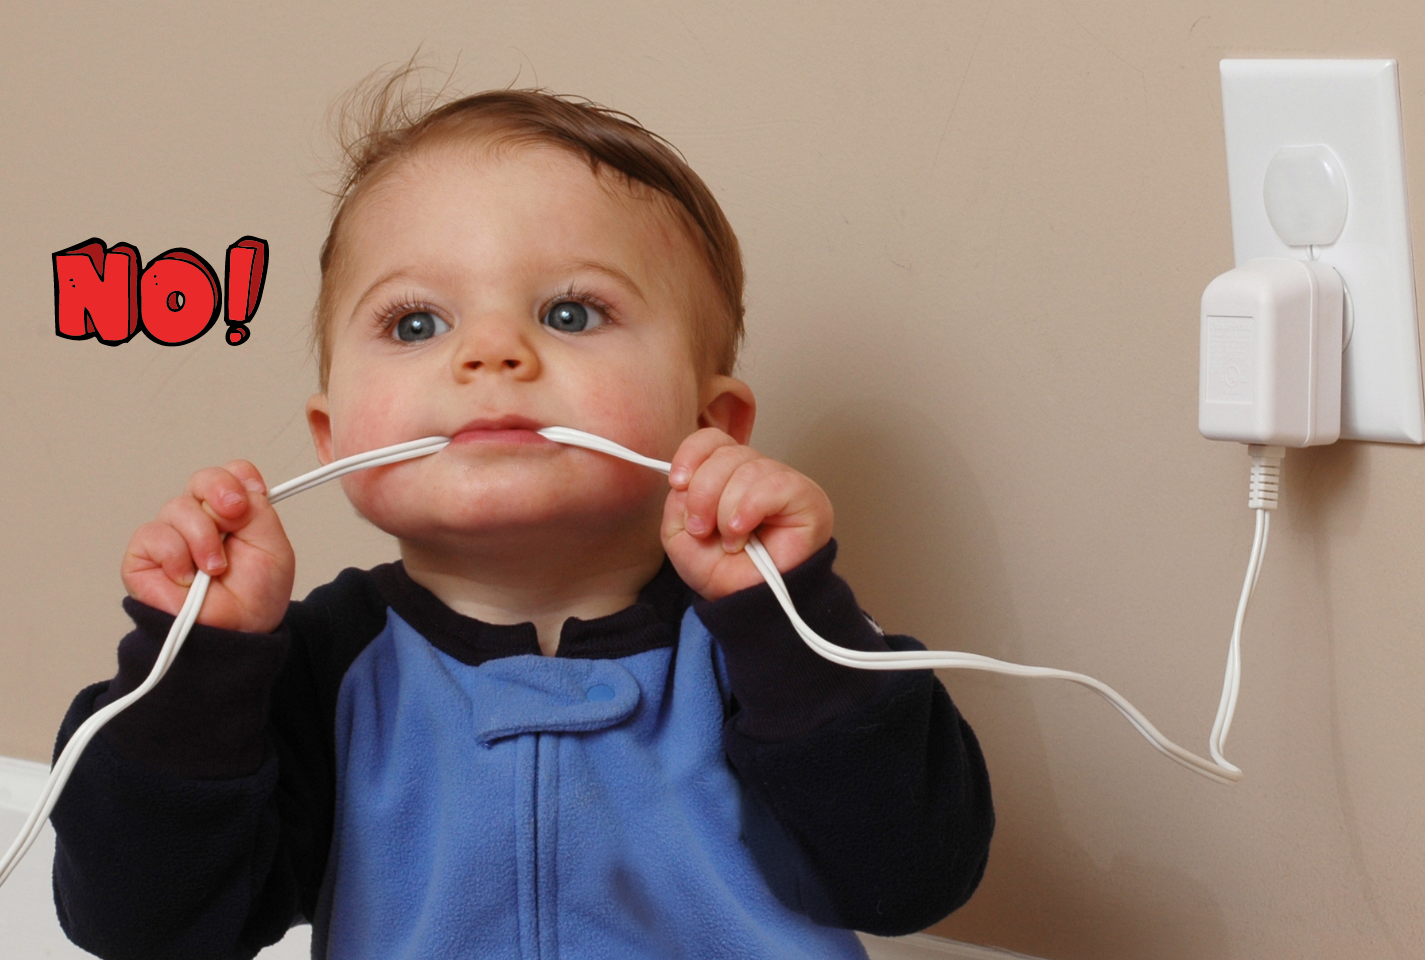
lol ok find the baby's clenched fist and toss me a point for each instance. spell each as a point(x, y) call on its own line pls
point(722, 493)
point(223, 525)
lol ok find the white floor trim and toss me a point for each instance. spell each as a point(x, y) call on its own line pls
point(35, 932)
point(922, 946)
point(20, 784)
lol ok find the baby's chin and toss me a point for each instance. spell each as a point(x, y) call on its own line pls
point(513, 516)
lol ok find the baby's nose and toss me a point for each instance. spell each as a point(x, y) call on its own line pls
point(497, 345)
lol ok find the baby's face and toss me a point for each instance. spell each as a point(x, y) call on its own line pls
point(482, 296)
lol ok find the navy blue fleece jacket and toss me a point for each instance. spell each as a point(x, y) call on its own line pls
point(683, 778)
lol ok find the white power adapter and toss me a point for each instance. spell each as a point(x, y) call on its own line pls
point(1270, 361)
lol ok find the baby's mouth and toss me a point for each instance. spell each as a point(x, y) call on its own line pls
point(501, 430)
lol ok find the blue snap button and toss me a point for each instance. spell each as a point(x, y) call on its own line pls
point(600, 691)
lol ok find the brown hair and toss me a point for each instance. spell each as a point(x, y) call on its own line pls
point(381, 121)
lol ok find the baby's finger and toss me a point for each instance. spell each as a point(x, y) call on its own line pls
point(695, 449)
point(262, 529)
point(199, 531)
point(159, 545)
point(224, 496)
point(248, 475)
point(675, 514)
point(705, 489)
point(756, 491)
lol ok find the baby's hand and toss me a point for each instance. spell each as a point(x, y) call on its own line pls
point(252, 570)
point(722, 493)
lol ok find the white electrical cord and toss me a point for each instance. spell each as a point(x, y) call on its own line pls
point(1265, 470)
point(182, 623)
point(1264, 484)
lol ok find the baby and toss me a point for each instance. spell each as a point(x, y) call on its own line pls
point(570, 721)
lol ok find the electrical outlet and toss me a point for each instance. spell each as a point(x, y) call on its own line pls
point(1307, 137)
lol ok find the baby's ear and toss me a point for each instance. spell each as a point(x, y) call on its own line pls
point(729, 406)
point(319, 421)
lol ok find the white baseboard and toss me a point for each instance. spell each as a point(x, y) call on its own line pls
point(922, 946)
point(22, 780)
point(20, 784)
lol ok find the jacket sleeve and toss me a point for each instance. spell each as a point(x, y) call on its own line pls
point(196, 825)
point(869, 797)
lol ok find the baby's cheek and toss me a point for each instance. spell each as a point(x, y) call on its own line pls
point(372, 492)
point(650, 415)
point(372, 422)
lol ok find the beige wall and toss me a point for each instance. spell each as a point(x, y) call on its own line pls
point(976, 233)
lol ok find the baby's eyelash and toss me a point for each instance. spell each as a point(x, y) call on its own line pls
point(386, 317)
point(582, 295)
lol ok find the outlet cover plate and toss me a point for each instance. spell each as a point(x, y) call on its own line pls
point(1353, 107)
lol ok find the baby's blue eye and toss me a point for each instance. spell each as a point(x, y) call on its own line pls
point(419, 326)
point(570, 316)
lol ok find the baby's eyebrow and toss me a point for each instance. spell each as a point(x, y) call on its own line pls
point(385, 278)
point(410, 273)
point(613, 273)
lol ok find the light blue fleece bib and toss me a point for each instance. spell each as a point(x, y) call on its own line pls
point(534, 808)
